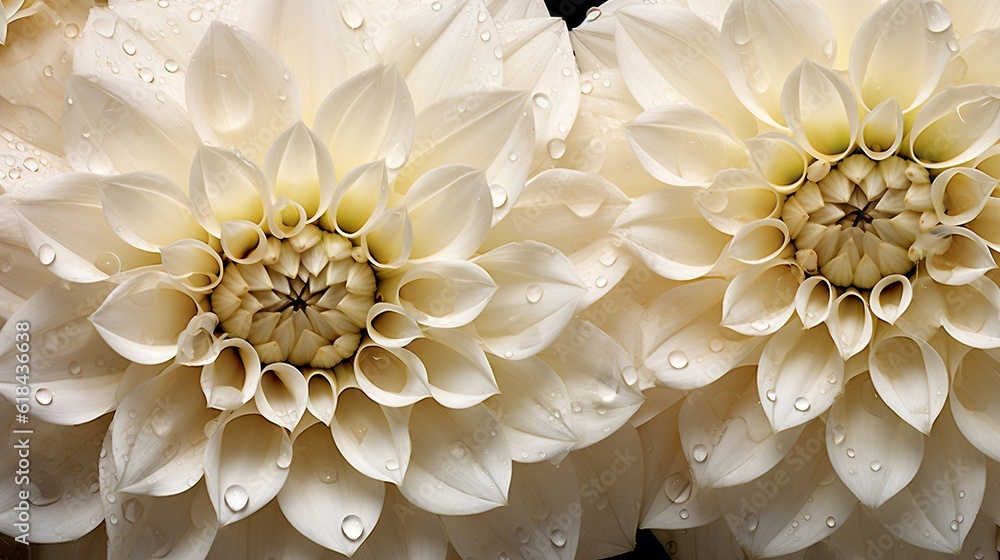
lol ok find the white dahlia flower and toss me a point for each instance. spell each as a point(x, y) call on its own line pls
point(274, 308)
point(821, 357)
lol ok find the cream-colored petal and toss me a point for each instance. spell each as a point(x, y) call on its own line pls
point(959, 194)
point(243, 242)
point(537, 522)
point(779, 160)
point(281, 395)
point(240, 94)
point(390, 376)
point(874, 452)
point(821, 111)
point(65, 227)
point(684, 344)
point(322, 401)
point(881, 132)
point(298, 32)
point(148, 211)
point(192, 264)
point(972, 313)
point(911, 378)
point(813, 300)
point(758, 242)
point(358, 199)
point(231, 379)
point(246, 464)
point(684, 146)
point(510, 10)
point(298, 167)
point(462, 466)
point(537, 294)
point(761, 299)
point(450, 210)
point(225, 186)
point(850, 324)
point(901, 50)
point(176, 526)
point(890, 297)
point(800, 375)
point(668, 53)
point(956, 125)
point(388, 240)
point(420, 39)
point(74, 374)
point(377, 102)
point(954, 473)
point(978, 50)
point(846, 17)
point(445, 294)
point(718, 458)
point(806, 492)
point(973, 400)
point(389, 325)
point(956, 256)
point(762, 42)
point(489, 129)
point(736, 198)
point(144, 316)
point(264, 535)
point(371, 437)
point(324, 498)
point(533, 409)
point(458, 373)
point(594, 369)
point(159, 434)
point(115, 126)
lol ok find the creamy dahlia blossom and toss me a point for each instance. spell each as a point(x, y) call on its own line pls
point(277, 303)
point(821, 358)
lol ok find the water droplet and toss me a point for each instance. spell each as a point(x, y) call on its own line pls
point(978, 554)
point(876, 466)
point(392, 465)
point(195, 14)
point(541, 100)
point(677, 487)
point(132, 508)
point(109, 264)
point(508, 354)
point(359, 431)
point(236, 497)
point(771, 395)
point(170, 65)
point(586, 87)
point(31, 164)
point(760, 325)
point(751, 521)
point(146, 75)
point(677, 359)
point(417, 40)
point(954, 525)
point(458, 449)
point(831, 522)
point(436, 6)
point(74, 368)
point(534, 293)
point(601, 282)
point(936, 17)
point(699, 453)
point(71, 30)
point(558, 537)
point(485, 36)
point(684, 514)
point(498, 194)
point(111, 498)
point(353, 527)
point(851, 454)
point(801, 404)
point(953, 44)
point(556, 148)
point(839, 433)
point(43, 396)
point(113, 519)
point(47, 71)
point(830, 48)
point(630, 375)
point(328, 474)
point(46, 254)
point(593, 13)
point(129, 47)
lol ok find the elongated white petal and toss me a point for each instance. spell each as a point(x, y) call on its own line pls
point(647, 40)
point(64, 225)
point(736, 198)
point(450, 210)
point(444, 294)
point(225, 186)
point(874, 452)
point(534, 523)
point(148, 211)
point(322, 401)
point(669, 486)
point(535, 53)
point(911, 379)
point(378, 102)
point(159, 436)
point(458, 373)
point(821, 111)
point(973, 316)
point(538, 282)
point(713, 540)
point(390, 376)
point(780, 160)
point(143, 317)
point(955, 473)
point(403, 532)
point(762, 42)
point(684, 342)
point(72, 370)
point(800, 375)
point(667, 232)
point(881, 132)
point(298, 32)
point(112, 126)
point(684, 146)
point(59, 490)
point(958, 257)
point(372, 437)
point(533, 409)
point(806, 492)
point(232, 378)
point(299, 168)
point(973, 403)
point(850, 324)
point(264, 535)
point(282, 394)
point(176, 526)
point(610, 513)
point(239, 92)
point(419, 38)
point(955, 126)
point(246, 464)
point(813, 300)
point(901, 51)
point(890, 297)
point(721, 459)
point(479, 128)
point(462, 466)
point(960, 194)
point(761, 299)
point(324, 495)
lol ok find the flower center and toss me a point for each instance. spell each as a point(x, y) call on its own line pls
point(859, 220)
point(305, 302)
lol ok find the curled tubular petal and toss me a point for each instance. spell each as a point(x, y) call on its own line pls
point(956, 125)
point(390, 376)
point(780, 160)
point(281, 394)
point(192, 264)
point(761, 299)
point(813, 300)
point(881, 131)
point(850, 324)
point(890, 297)
point(821, 111)
point(231, 379)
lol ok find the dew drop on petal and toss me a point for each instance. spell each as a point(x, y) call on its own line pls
point(601, 282)
point(328, 474)
point(677, 487)
point(831, 522)
point(359, 431)
point(556, 148)
point(630, 375)
point(699, 453)
point(43, 396)
point(46, 254)
point(851, 454)
point(498, 194)
point(593, 13)
point(132, 508)
point(558, 537)
point(71, 30)
point(684, 514)
point(353, 527)
point(716, 345)
point(677, 359)
point(392, 465)
point(485, 36)
point(876, 466)
point(534, 293)
point(236, 497)
point(801, 404)
point(541, 100)
point(771, 395)
point(839, 433)
point(751, 521)
point(171, 65)
point(457, 449)
point(74, 368)
point(195, 14)
point(129, 47)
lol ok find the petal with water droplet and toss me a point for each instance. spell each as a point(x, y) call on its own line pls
point(911, 378)
point(225, 187)
point(176, 526)
point(281, 395)
point(955, 126)
point(370, 435)
point(445, 294)
point(148, 211)
point(850, 324)
point(761, 299)
point(390, 376)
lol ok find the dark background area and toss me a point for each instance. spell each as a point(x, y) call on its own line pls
point(573, 11)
